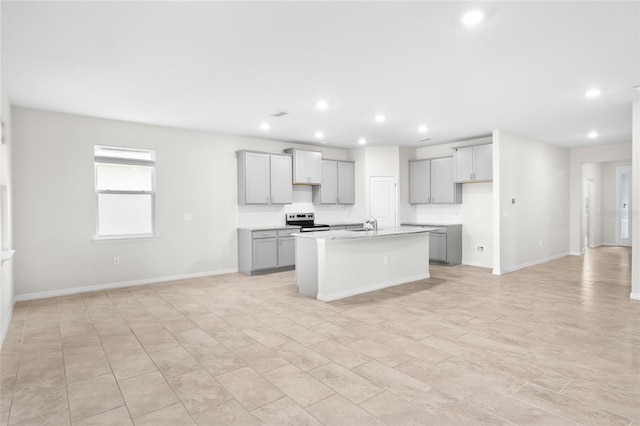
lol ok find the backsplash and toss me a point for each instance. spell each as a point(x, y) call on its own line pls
point(268, 215)
point(449, 213)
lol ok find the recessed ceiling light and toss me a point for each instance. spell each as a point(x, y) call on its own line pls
point(593, 92)
point(321, 104)
point(423, 129)
point(362, 141)
point(473, 17)
point(319, 135)
point(265, 126)
point(593, 134)
point(380, 118)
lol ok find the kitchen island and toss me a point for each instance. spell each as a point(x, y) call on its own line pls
point(333, 265)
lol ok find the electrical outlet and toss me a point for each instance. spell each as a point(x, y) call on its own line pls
point(480, 248)
point(116, 260)
point(540, 243)
point(385, 259)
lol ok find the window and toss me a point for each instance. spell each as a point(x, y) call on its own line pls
point(125, 192)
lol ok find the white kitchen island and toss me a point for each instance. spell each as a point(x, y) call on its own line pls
point(332, 265)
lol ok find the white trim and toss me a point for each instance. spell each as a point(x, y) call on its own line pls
point(575, 253)
point(5, 327)
point(378, 286)
point(634, 296)
point(8, 254)
point(99, 287)
point(528, 264)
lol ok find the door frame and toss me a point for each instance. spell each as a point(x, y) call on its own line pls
point(620, 170)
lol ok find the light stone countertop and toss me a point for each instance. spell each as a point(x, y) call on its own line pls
point(267, 228)
point(431, 224)
point(356, 234)
point(341, 223)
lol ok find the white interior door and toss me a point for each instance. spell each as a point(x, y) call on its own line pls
point(382, 200)
point(623, 206)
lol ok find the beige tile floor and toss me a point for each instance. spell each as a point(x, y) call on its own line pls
point(554, 344)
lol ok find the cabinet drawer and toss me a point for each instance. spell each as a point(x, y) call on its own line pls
point(287, 232)
point(263, 234)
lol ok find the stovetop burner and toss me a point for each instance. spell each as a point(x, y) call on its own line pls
point(306, 222)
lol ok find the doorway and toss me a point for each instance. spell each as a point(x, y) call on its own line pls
point(623, 206)
point(382, 200)
point(586, 222)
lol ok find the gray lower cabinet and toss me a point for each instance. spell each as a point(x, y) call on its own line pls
point(438, 247)
point(445, 243)
point(265, 251)
point(286, 251)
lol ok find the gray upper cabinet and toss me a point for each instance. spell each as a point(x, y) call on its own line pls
point(473, 163)
point(281, 189)
point(264, 178)
point(443, 190)
point(327, 193)
point(346, 182)
point(338, 183)
point(431, 182)
point(420, 182)
point(307, 166)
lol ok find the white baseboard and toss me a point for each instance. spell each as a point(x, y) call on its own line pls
point(575, 253)
point(608, 243)
point(634, 296)
point(528, 264)
point(373, 287)
point(109, 286)
point(7, 321)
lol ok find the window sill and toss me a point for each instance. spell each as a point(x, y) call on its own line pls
point(7, 254)
point(126, 237)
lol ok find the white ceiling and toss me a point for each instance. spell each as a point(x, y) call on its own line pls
point(225, 67)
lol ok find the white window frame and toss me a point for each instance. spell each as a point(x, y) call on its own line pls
point(101, 159)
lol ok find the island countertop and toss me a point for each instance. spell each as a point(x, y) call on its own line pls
point(359, 234)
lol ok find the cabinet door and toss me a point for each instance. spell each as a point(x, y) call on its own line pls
point(346, 183)
point(281, 188)
point(265, 253)
point(286, 251)
point(314, 167)
point(483, 162)
point(420, 182)
point(300, 169)
point(442, 186)
point(256, 178)
point(329, 186)
point(438, 247)
point(307, 167)
point(463, 164)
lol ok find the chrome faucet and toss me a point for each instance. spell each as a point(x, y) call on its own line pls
point(370, 223)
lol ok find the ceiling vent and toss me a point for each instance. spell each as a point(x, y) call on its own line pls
point(279, 114)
